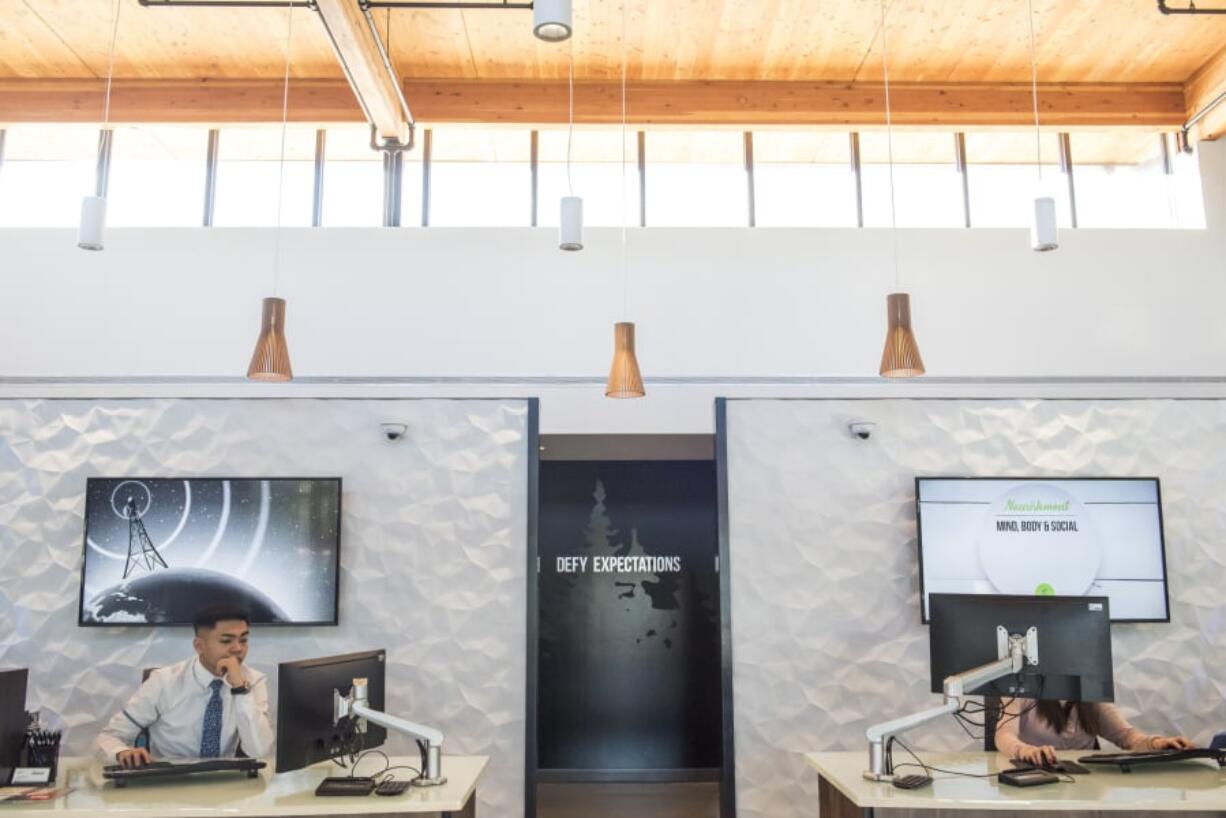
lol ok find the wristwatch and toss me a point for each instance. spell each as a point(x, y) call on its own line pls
point(240, 691)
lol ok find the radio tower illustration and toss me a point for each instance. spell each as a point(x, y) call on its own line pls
point(140, 547)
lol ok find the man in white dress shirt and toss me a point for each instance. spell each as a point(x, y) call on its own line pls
point(203, 707)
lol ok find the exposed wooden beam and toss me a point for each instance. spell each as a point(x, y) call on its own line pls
point(802, 103)
point(1206, 85)
point(732, 103)
point(176, 101)
point(362, 59)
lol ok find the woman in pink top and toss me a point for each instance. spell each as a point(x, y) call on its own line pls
point(1033, 731)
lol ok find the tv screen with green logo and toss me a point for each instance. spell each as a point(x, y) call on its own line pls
point(1045, 537)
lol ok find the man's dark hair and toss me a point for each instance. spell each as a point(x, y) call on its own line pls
point(208, 616)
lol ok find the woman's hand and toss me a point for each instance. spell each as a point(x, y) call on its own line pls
point(1171, 743)
point(1037, 756)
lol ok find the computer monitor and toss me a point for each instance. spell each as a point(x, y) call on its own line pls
point(12, 715)
point(305, 733)
point(1074, 644)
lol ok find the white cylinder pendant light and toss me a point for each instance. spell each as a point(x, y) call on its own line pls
point(570, 223)
point(551, 20)
point(93, 208)
point(570, 234)
point(1043, 233)
point(1043, 226)
point(93, 223)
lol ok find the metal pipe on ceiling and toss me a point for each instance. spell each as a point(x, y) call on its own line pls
point(310, 4)
point(1189, 9)
point(390, 69)
point(1197, 117)
point(245, 4)
point(422, 4)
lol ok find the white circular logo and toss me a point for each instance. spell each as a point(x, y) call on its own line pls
point(1037, 540)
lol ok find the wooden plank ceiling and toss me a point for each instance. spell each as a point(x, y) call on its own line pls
point(735, 46)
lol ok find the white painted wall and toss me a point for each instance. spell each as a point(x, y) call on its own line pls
point(724, 304)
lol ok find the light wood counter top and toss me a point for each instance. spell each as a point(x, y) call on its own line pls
point(1187, 786)
point(271, 794)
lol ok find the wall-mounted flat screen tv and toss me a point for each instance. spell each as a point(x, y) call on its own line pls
point(158, 549)
point(1066, 537)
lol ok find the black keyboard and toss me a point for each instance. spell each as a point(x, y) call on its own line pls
point(1126, 761)
point(172, 769)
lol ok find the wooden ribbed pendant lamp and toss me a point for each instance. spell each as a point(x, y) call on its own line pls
point(901, 358)
point(624, 378)
point(270, 360)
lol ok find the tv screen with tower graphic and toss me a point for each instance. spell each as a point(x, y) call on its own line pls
point(158, 549)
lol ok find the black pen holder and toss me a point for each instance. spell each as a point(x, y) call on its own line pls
point(41, 748)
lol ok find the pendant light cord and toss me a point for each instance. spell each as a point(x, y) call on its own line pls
point(110, 65)
point(625, 250)
point(1034, 91)
point(889, 143)
point(570, 129)
point(276, 256)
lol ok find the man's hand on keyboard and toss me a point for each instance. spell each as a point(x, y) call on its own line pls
point(1171, 743)
point(136, 757)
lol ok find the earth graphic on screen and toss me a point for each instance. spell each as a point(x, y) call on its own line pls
point(174, 595)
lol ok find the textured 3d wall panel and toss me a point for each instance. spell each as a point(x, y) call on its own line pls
point(433, 552)
point(825, 590)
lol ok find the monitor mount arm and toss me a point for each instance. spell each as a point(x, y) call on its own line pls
point(356, 705)
point(1013, 651)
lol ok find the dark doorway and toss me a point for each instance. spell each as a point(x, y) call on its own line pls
point(629, 684)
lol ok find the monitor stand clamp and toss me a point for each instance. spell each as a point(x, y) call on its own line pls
point(1013, 651)
point(357, 706)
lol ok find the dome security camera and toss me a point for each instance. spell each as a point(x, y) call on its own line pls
point(393, 431)
point(862, 429)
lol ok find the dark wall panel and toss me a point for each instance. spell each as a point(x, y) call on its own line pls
point(629, 616)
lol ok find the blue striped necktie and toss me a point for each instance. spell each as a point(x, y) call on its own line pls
point(210, 739)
